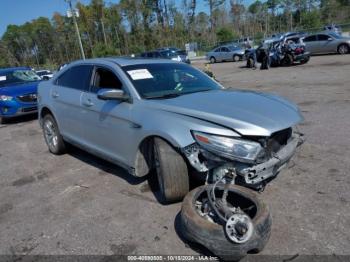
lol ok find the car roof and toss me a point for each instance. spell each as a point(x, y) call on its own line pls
point(11, 69)
point(127, 61)
point(226, 45)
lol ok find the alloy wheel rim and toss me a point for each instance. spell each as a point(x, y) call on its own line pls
point(343, 49)
point(50, 134)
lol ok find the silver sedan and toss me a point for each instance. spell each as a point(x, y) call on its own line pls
point(225, 53)
point(168, 117)
point(328, 42)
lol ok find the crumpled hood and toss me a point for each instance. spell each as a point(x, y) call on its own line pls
point(248, 113)
point(19, 89)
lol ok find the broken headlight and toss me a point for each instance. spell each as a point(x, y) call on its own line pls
point(229, 147)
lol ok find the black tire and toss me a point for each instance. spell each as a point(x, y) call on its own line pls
point(343, 49)
point(212, 60)
point(171, 171)
point(212, 236)
point(236, 58)
point(250, 62)
point(287, 60)
point(305, 60)
point(264, 64)
point(52, 135)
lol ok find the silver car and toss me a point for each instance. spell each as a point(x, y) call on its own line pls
point(328, 42)
point(225, 53)
point(44, 74)
point(169, 117)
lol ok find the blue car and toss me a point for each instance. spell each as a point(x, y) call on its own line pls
point(18, 92)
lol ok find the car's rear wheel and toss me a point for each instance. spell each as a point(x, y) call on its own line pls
point(53, 136)
point(236, 58)
point(212, 60)
point(171, 170)
point(343, 49)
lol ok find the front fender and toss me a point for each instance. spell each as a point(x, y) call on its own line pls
point(173, 127)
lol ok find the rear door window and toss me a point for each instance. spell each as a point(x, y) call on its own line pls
point(77, 77)
point(310, 38)
point(322, 37)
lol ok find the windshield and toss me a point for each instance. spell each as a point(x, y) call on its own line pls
point(167, 79)
point(18, 77)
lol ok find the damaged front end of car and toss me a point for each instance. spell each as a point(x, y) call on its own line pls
point(256, 160)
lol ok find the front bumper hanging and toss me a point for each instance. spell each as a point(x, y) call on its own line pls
point(251, 174)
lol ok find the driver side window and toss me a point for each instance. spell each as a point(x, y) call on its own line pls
point(105, 78)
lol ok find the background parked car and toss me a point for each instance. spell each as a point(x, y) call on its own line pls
point(175, 54)
point(246, 42)
point(168, 53)
point(323, 43)
point(333, 28)
point(60, 67)
point(225, 53)
point(44, 74)
point(18, 92)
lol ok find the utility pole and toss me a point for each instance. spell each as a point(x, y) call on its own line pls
point(76, 28)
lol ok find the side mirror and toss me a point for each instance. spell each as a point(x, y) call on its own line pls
point(112, 94)
point(330, 39)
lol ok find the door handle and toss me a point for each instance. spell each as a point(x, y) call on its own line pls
point(55, 94)
point(88, 103)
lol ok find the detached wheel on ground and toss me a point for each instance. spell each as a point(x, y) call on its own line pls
point(212, 60)
point(343, 49)
point(236, 58)
point(199, 228)
point(171, 170)
point(52, 135)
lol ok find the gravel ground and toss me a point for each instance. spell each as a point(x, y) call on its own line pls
point(79, 204)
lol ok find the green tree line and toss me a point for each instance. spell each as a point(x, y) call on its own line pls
point(133, 26)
